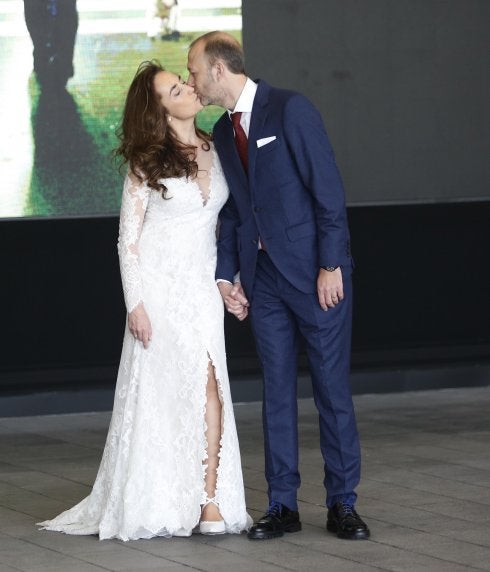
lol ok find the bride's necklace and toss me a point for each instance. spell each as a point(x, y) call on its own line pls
point(201, 153)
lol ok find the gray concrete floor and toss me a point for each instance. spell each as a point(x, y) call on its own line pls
point(425, 493)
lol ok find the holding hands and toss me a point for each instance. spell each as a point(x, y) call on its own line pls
point(234, 298)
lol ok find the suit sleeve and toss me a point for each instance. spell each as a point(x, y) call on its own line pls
point(310, 147)
point(227, 263)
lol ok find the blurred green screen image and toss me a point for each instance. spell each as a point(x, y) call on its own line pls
point(65, 69)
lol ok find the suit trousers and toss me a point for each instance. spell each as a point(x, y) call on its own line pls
point(280, 314)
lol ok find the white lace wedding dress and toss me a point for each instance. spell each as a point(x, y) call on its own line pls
point(151, 478)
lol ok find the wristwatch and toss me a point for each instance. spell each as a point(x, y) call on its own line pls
point(329, 268)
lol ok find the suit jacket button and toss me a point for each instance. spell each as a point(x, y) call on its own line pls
point(255, 241)
point(257, 209)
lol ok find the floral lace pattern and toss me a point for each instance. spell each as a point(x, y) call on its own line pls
point(151, 478)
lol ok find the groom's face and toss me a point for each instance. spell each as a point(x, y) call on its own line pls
point(201, 76)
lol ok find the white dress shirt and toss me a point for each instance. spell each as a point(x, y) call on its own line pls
point(245, 103)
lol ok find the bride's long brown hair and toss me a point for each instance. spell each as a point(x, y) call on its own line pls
point(147, 142)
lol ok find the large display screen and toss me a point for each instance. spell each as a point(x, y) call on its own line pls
point(65, 67)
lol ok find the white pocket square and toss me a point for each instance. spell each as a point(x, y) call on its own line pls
point(265, 140)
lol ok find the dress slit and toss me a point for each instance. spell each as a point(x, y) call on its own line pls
point(219, 391)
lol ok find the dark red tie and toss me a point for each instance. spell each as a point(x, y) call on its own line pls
point(241, 140)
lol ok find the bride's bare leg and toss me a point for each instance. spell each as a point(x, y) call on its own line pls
point(213, 436)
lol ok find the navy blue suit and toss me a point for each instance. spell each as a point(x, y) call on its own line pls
point(293, 200)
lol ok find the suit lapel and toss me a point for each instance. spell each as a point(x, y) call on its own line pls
point(257, 120)
point(225, 140)
point(225, 144)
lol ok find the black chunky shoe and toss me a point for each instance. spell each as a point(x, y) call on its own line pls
point(343, 520)
point(276, 521)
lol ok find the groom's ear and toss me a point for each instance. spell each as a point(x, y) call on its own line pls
point(219, 70)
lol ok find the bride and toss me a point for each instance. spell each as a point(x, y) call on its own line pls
point(171, 463)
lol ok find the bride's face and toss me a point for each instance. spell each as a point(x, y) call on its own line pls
point(179, 99)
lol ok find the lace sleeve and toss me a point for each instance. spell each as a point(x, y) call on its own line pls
point(133, 207)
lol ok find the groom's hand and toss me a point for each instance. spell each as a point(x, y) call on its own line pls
point(234, 299)
point(238, 294)
point(330, 288)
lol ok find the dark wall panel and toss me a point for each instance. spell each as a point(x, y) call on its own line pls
point(62, 287)
point(421, 294)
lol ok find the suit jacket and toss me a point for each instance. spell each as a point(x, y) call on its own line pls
point(293, 197)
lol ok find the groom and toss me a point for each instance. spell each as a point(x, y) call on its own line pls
point(285, 229)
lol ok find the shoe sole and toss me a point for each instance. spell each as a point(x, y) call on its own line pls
point(210, 532)
point(269, 535)
point(359, 535)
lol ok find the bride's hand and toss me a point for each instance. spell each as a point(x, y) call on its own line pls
point(139, 324)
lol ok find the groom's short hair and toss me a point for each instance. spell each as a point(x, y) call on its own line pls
point(223, 46)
